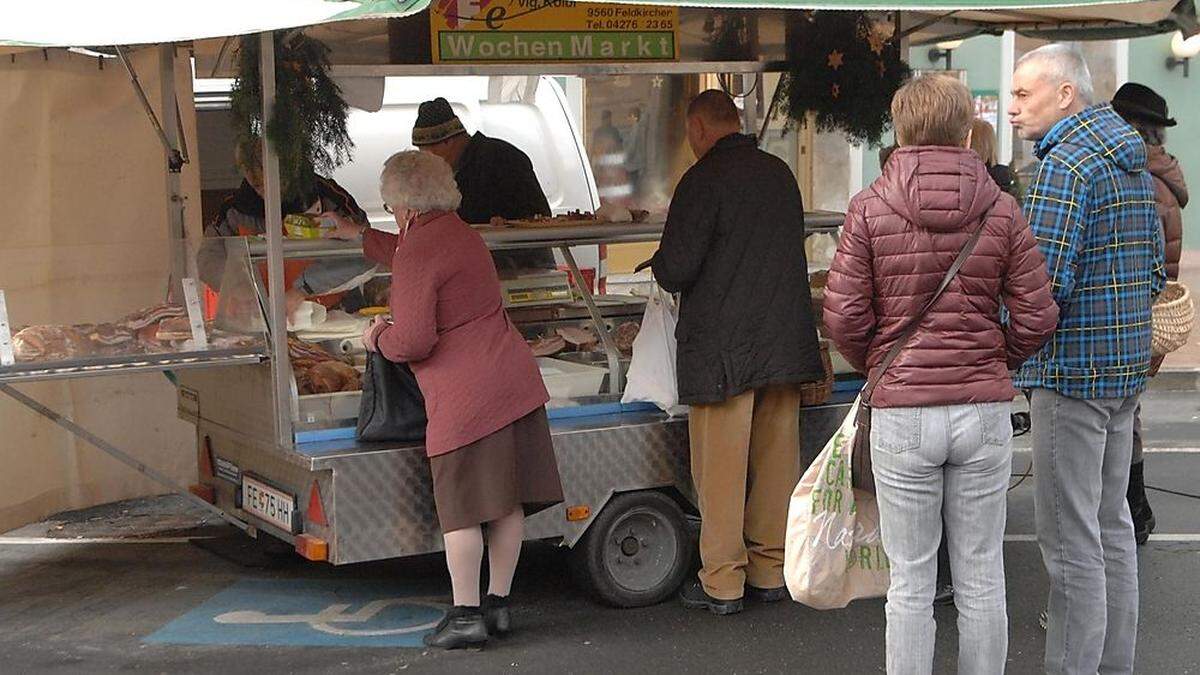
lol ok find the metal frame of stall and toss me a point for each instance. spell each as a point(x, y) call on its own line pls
point(624, 437)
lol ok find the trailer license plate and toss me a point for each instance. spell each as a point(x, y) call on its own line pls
point(267, 503)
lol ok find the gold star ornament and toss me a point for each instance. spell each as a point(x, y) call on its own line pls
point(836, 59)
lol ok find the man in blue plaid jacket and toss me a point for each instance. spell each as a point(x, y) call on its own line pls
point(1091, 206)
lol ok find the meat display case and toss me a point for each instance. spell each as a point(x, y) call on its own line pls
point(127, 312)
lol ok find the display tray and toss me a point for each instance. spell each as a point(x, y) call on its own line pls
point(111, 365)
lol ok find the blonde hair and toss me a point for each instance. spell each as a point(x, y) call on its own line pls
point(420, 181)
point(983, 140)
point(932, 110)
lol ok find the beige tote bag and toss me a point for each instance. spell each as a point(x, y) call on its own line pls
point(833, 552)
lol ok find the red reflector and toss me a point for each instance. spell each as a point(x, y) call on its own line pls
point(205, 492)
point(315, 513)
point(206, 459)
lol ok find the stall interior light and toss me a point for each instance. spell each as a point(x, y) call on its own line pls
point(1182, 50)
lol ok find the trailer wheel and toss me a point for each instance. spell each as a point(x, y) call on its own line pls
point(636, 552)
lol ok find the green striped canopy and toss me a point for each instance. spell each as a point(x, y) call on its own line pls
point(47, 23)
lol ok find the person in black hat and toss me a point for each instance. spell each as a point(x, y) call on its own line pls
point(1146, 111)
point(495, 177)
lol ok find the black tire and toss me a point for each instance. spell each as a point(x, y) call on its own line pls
point(636, 552)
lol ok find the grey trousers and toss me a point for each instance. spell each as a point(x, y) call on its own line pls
point(951, 465)
point(1081, 453)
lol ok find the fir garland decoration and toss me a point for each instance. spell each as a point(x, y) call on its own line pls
point(845, 69)
point(308, 126)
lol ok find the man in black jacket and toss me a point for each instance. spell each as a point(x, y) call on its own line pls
point(733, 246)
point(495, 177)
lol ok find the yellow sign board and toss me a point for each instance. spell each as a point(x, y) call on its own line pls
point(532, 31)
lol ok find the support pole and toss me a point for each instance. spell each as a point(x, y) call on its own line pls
point(1004, 132)
point(615, 377)
point(118, 454)
point(172, 136)
point(281, 369)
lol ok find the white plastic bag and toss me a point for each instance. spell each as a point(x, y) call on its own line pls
point(652, 370)
point(833, 553)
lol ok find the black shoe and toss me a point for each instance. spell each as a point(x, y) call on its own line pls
point(756, 594)
point(461, 627)
point(944, 595)
point(695, 597)
point(496, 615)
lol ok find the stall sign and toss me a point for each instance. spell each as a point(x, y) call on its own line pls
point(517, 31)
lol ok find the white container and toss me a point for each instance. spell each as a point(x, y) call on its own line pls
point(570, 380)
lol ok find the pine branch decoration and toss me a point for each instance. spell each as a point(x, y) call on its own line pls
point(308, 127)
point(845, 69)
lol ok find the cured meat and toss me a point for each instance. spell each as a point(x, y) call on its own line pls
point(110, 335)
point(174, 328)
point(577, 336)
point(147, 337)
point(50, 343)
point(548, 346)
point(625, 334)
point(152, 315)
point(328, 377)
point(301, 350)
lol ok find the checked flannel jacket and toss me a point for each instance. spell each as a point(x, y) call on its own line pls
point(1091, 206)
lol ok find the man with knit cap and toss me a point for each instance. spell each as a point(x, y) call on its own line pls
point(495, 177)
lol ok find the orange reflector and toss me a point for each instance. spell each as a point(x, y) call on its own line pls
point(575, 513)
point(205, 492)
point(311, 548)
point(315, 513)
point(206, 459)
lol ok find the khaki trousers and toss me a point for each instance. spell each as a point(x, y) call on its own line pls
point(745, 464)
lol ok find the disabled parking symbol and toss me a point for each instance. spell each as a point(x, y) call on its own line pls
point(306, 613)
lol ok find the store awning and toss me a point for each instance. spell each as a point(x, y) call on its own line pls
point(31, 23)
point(39, 23)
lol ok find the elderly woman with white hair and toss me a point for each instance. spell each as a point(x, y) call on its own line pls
point(488, 437)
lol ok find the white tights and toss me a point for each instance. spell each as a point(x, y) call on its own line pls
point(464, 556)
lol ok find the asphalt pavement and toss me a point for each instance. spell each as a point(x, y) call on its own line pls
point(138, 587)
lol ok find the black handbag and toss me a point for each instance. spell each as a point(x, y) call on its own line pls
point(862, 475)
point(392, 406)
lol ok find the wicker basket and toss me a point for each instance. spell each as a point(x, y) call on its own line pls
point(816, 393)
point(1173, 318)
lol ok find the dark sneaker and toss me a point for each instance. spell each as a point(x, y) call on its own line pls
point(496, 615)
point(694, 597)
point(461, 627)
point(944, 595)
point(756, 594)
point(1143, 524)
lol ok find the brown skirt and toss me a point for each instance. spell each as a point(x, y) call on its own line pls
point(488, 479)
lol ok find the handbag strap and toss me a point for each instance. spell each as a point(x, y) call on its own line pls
point(911, 327)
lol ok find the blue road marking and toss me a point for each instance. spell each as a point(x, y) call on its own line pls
point(306, 613)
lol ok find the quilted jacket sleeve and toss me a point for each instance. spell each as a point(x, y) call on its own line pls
point(413, 333)
point(1056, 208)
point(690, 228)
point(849, 312)
point(379, 247)
point(1032, 313)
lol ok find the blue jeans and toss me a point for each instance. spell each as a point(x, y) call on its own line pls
point(951, 465)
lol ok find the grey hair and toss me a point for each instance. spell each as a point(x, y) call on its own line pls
point(1064, 64)
point(420, 181)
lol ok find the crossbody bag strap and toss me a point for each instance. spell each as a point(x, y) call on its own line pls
point(911, 327)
